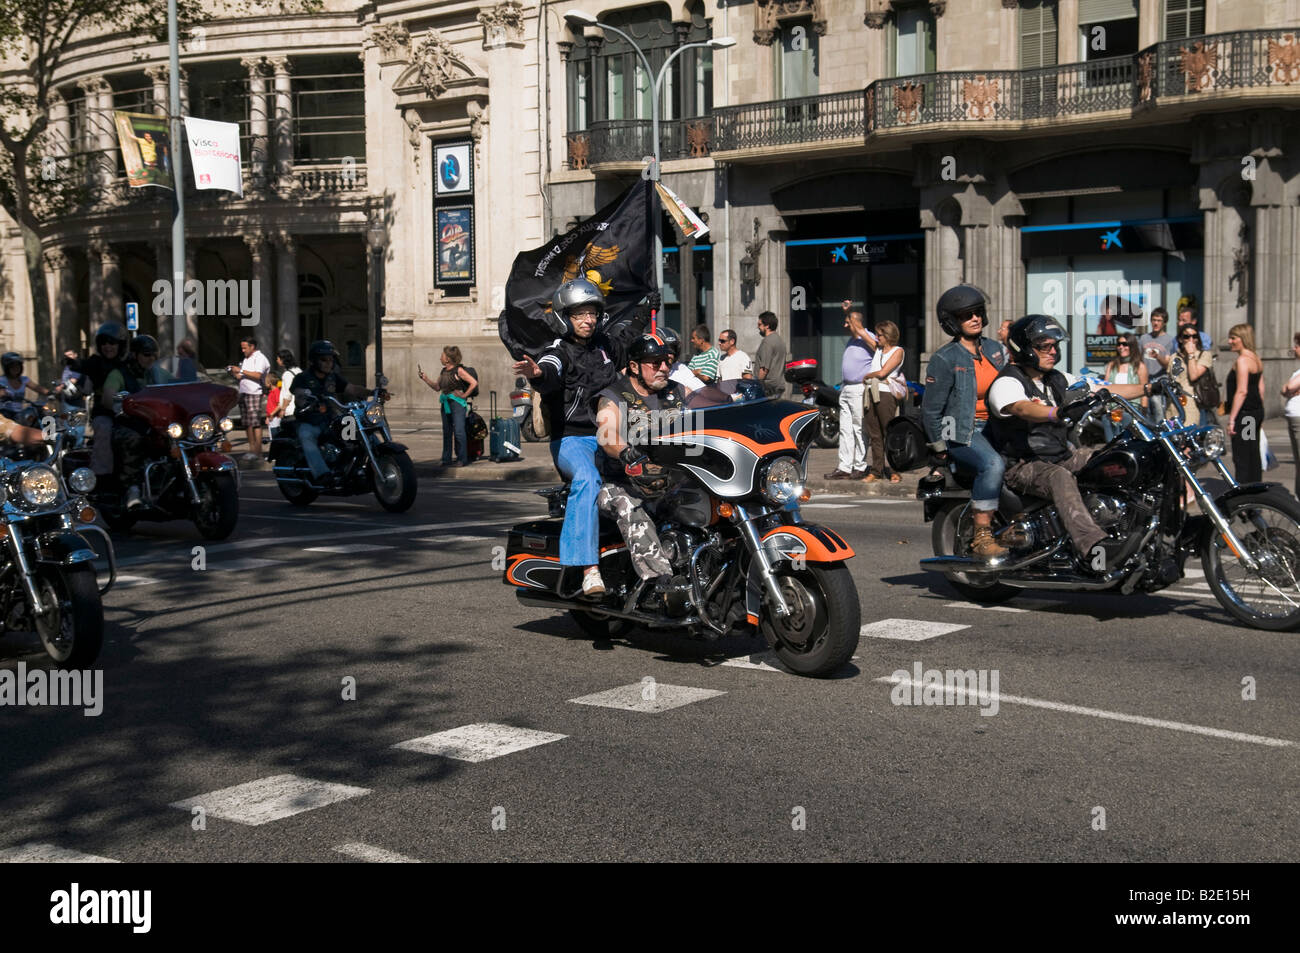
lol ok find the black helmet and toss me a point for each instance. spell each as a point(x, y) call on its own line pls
point(1028, 330)
point(144, 344)
point(656, 344)
point(111, 331)
point(8, 359)
point(320, 350)
point(957, 304)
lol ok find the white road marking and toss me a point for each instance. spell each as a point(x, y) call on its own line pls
point(826, 506)
point(647, 696)
point(269, 799)
point(875, 502)
point(763, 661)
point(49, 854)
point(126, 582)
point(1194, 573)
point(1119, 716)
point(346, 548)
point(833, 496)
point(374, 855)
point(480, 742)
point(909, 630)
point(1025, 605)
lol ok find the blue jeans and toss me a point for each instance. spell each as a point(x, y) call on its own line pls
point(576, 459)
point(308, 435)
point(453, 423)
point(988, 465)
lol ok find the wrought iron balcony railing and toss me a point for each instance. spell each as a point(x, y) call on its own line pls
point(791, 121)
point(630, 140)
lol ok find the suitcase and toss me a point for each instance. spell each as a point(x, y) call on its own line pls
point(505, 436)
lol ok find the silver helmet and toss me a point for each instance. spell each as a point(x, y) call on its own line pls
point(571, 294)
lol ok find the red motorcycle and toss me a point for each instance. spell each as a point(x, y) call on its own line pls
point(186, 473)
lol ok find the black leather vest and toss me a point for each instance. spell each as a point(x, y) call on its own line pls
point(1016, 438)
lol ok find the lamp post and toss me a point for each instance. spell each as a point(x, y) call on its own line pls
point(582, 19)
point(378, 236)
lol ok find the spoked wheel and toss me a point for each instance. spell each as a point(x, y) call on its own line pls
point(828, 434)
point(73, 630)
point(951, 536)
point(395, 482)
point(597, 625)
point(218, 509)
point(526, 429)
point(1268, 525)
point(299, 494)
point(821, 631)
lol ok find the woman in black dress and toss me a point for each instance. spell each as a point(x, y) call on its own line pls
point(1244, 393)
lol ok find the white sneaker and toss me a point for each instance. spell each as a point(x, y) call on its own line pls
point(592, 584)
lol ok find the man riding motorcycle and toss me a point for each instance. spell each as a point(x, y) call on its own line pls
point(110, 349)
point(1030, 417)
point(130, 434)
point(314, 413)
point(570, 373)
point(647, 397)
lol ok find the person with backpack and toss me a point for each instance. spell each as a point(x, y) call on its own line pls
point(457, 384)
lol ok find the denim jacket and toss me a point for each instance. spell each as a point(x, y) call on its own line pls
point(950, 392)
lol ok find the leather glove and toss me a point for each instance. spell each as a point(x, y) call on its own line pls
point(632, 460)
point(1071, 414)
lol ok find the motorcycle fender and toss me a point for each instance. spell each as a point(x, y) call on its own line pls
point(63, 549)
point(212, 460)
point(815, 544)
point(390, 448)
point(1196, 528)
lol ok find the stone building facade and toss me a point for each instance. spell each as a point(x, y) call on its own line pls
point(1058, 153)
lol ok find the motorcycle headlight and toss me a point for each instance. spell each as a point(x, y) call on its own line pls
point(39, 485)
point(374, 412)
point(783, 481)
point(1214, 442)
point(82, 480)
point(226, 425)
point(175, 430)
point(203, 427)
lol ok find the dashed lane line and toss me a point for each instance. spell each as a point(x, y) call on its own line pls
point(373, 855)
point(909, 630)
point(647, 696)
point(269, 799)
point(479, 742)
point(1114, 716)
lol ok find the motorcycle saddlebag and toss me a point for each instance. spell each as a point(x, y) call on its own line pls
point(905, 445)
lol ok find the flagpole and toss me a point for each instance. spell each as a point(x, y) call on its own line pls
point(179, 329)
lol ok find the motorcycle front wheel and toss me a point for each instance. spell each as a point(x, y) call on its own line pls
point(1268, 525)
point(73, 630)
point(951, 536)
point(218, 509)
point(395, 482)
point(819, 635)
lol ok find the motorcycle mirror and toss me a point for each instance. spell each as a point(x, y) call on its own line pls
point(1176, 366)
point(381, 381)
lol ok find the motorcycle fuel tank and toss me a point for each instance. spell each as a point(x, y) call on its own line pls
point(162, 404)
point(1130, 465)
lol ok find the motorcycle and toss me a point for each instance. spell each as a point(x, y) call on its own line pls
point(47, 580)
point(359, 449)
point(726, 503)
point(186, 475)
point(521, 406)
point(817, 393)
point(1247, 537)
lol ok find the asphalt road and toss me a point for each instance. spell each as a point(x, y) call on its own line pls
point(1120, 731)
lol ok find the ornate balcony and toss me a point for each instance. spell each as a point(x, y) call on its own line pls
point(834, 117)
point(630, 140)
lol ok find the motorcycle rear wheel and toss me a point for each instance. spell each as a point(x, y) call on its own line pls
point(299, 494)
point(73, 632)
point(1268, 525)
point(951, 536)
point(821, 632)
point(828, 429)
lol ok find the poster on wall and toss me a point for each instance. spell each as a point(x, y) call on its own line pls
point(146, 149)
point(454, 226)
point(454, 168)
point(1109, 316)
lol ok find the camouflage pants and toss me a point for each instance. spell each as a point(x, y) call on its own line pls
point(637, 528)
point(1056, 481)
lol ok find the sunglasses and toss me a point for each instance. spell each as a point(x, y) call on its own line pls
point(1188, 337)
point(657, 362)
point(1123, 344)
point(1047, 346)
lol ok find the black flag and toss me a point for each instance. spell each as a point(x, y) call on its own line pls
point(612, 249)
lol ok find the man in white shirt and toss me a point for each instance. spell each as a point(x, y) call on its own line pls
point(251, 375)
point(1031, 413)
point(735, 362)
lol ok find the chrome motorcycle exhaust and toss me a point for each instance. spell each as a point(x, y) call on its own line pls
point(970, 564)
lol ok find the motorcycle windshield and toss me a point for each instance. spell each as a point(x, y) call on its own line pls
point(163, 404)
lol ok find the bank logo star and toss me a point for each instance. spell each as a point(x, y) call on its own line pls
point(839, 254)
point(1110, 238)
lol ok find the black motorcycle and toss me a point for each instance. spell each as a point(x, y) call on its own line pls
point(817, 393)
point(727, 507)
point(360, 452)
point(1247, 537)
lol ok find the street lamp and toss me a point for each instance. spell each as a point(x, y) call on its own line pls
point(580, 19)
point(377, 233)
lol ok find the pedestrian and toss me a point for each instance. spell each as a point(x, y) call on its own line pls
point(1003, 331)
point(1127, 368)
point(251, 374)
point(886, 388)
point(1196, 362)
point(735, 362)
point(954, 409)
point(1244, 394)
point(854, 365)
point(1157, 346)
point(1291, 391)
point(769, 360)
point(1187, 318)
point(285, 407)
point(704, 364)
point(187, 367)
point(453, 383)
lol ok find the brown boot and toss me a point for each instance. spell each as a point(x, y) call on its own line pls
point(984, 547)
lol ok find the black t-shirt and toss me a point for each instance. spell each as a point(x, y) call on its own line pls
point(308, 389)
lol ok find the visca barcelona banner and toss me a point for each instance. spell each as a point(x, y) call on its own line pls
point(613, 249)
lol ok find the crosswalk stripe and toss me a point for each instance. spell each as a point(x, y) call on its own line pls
point(1114, 716)
point(126, 582)
point(49, 854)
point(479, 742)
point(269, 799)
point(909, 630)
point(374, 855)
point(647, 696)
point(346, 548)
point(762, 661)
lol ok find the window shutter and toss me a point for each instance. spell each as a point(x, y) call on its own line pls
point(1037, 35)
point(1099, 11)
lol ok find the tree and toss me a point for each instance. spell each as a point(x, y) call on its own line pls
point(34, 35)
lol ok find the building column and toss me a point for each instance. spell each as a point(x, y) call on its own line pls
point(257, 119)
point(95, 276)
point(158, 76)
point(111, 275)
point(260, 254)
point(1150, 21)
point(63, 297)
point(60, 127)
point(99, 127)
point(283, 123)
point(286, 316)
point(1067, 33)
